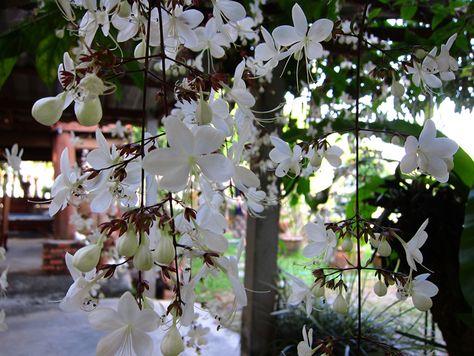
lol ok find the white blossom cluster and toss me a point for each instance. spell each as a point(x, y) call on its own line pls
point(203, 148)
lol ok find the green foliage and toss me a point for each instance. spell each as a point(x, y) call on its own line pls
point(6, 66)
point(408, 10)
point(49, 55)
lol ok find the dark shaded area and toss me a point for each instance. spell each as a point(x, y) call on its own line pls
point(445, 208)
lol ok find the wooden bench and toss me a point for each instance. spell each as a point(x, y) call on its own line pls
point(22, 214)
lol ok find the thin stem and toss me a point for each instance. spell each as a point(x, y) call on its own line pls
point(357, 202)
point(142, 144)
point(175, 244)
point(170, 195)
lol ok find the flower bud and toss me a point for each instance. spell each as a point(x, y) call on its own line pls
point(172, 343)
point(164, 251)
point(127, 244)
point(340, 305)
point(347, 244)
point(140, 51)
point(380, 288)
point(397, 89)
point(317, 290)
point(384, 248)
point(298, 55)
point(48, 111)
point(89, 112)
point(422, 302)
point(203, 112)
point(395, 140)
point(420, 53)
point(316, 160)
point(87, 258)
point(124, 9)
point(143, 259)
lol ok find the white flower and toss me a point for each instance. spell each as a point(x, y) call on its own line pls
point(254, 199)
point(420, 290)
point(118, 130)
point(300, 38)
point(209, 39)
point(78, 294)
point(197, 335)
point(332, 155)
point(188, 151)
point(3, 281)
point(14, 157)
point(3, 324)
point(239, 92)
point(431, 154)
point(304, 347)
point(268, 53)
point(446, 63)
point(67, 186)
point(95, 18)
point(227, 10)
point(412, 247)
point(286, 159)
point(127, 328)
point(424, 73)
point(230, 265)
point(300, 292)
point(180, 25)
point(322, 242)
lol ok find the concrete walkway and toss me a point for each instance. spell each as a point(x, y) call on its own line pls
point(54, 333)
point(36, 327)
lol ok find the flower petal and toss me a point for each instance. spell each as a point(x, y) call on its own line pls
point(299, 20)
point(216, 167)
point(207, 140)
point(285, 35)
point(320, 30)
point(105, 319)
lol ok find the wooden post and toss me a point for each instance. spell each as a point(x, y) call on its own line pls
point(257, 333)
point(63, 230)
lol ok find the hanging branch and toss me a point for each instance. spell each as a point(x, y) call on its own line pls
point(357, 202)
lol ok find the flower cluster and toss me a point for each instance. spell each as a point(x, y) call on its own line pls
point(202, 146)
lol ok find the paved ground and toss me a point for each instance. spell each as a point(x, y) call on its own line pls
point(38, 328)
point(54, 333)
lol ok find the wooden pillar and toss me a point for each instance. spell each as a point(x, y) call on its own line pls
point(62, 229)
point(257, 333)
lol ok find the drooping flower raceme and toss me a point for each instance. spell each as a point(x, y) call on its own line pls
point(432, 155)
point(127, 328)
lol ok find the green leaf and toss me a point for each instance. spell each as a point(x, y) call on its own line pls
point(365, 191)
point(6, 66)
point(408, 10)
point(437, 19)
point(466, 252)
point(373, 14)
point(49, 55)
